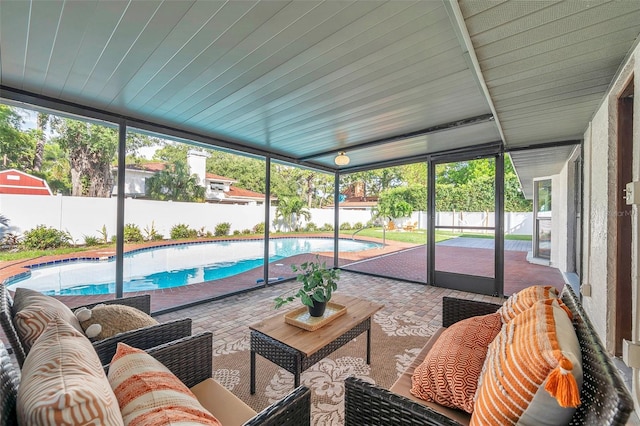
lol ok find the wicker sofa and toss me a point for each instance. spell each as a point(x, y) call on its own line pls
point(605, 400)
point(142, 338)
point(190, 359)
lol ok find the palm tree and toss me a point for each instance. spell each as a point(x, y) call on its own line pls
point(176, 184)
point(291, 210)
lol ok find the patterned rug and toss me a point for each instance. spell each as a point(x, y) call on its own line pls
point(395, 341)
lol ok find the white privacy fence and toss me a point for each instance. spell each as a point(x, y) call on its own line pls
point(82, 216)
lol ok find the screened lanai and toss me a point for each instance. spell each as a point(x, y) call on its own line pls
point(286, 87)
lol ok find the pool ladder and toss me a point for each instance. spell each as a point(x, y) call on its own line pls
point(384, 234)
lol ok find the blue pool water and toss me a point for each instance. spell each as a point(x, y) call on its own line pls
point(174, 265)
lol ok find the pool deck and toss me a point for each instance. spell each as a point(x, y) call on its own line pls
point(396, 260)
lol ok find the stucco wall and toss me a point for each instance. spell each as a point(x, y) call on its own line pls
point(600, 211)
point(596, 237)
point(563, 205)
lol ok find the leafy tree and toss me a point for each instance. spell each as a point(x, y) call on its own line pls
point(325, 190)
point(56, 169)
point(172, 153)
point(514, 200)
point(401, 201)
point(285, 181)
point(247, 171)
point(42, 121)
point(90, 148)
point(469, 186)
point(16, 147)
point(176, 184)
point(136, 141)
point(291, 210)
point(415, 174)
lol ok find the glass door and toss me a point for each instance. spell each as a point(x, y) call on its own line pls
point(542, 210)
point(467, 239)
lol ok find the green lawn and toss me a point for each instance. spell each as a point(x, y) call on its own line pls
point(420, 237)
point(32, 254)
point(413, 237)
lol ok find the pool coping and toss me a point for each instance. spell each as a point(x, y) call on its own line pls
point(11, 271)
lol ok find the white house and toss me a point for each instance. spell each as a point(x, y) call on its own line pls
point(218, 189)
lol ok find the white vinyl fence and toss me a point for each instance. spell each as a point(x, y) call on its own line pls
point(81, 216)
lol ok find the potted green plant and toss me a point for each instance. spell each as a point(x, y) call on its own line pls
point(318, 284)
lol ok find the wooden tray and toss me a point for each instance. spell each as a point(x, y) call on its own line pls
point(300, 317)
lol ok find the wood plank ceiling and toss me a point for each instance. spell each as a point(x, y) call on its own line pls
point(304, 79)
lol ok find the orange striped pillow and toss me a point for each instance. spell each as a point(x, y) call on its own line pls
point(150, 394)
point(526, 298)
point(63, 382)
point(533, 370)
point(449, 373)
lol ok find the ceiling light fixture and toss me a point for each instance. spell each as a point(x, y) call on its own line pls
point(342, 159)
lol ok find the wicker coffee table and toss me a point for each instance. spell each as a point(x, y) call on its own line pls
point(296, 349)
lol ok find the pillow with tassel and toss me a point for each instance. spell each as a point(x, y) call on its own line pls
point(526, 298)
point(532, 374)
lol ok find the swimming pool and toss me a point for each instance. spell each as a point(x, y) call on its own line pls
point(173, 265)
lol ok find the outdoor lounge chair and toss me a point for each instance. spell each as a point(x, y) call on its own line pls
point(605, 399)
point(410, 226)
point(190, 359)
point(142, 338)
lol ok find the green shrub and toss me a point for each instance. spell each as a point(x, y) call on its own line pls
point(42, 237)
point(246, 231)
point(327, 227)
point(236, 232)
point(132, 233)
point(345, 226)
point(259, 228)
point(91, 240)
point(311, 227)
point(358, 225)
point(181, 231)
point(222, 229)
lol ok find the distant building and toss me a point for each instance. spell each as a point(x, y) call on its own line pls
point(218, 189)
point(14, 181)
point(353, 198)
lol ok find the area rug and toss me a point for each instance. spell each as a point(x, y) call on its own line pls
point(396, 339)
